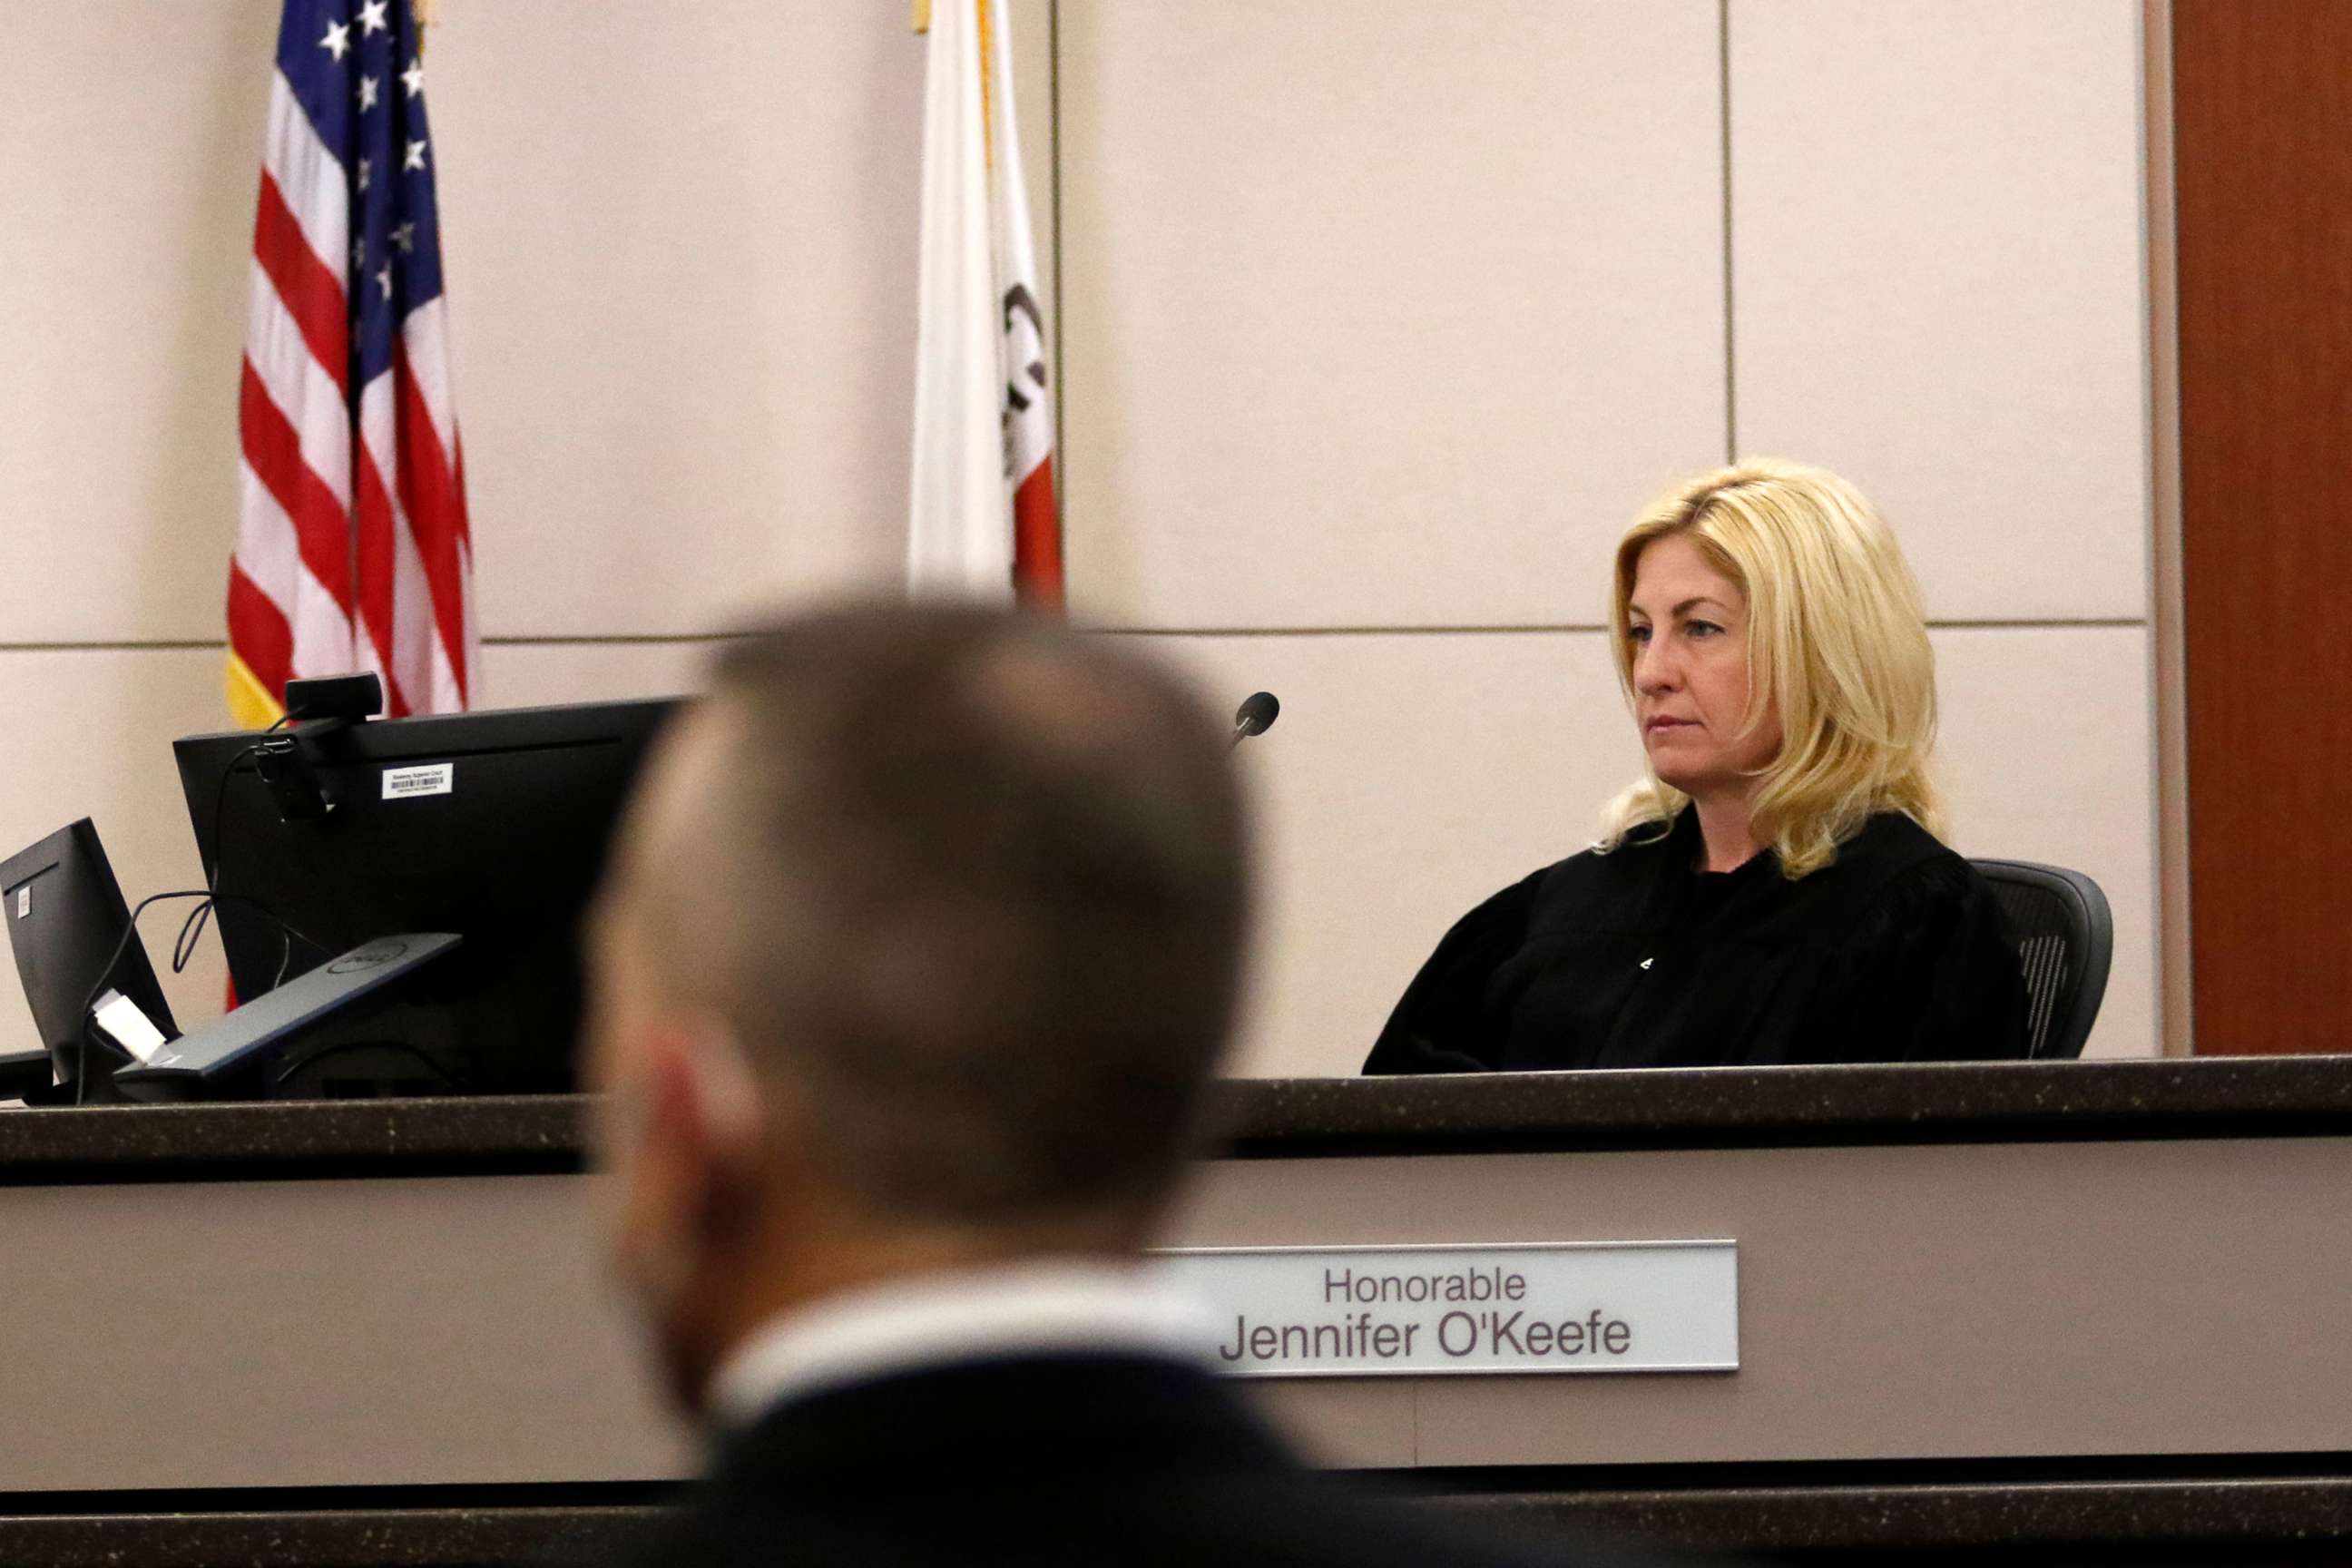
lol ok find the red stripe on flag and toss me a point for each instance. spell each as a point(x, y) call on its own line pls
point(276, 454)
point(436, 508)
point(313, 295)
point(1037, 540)
point(377, 561)
point(257, 632)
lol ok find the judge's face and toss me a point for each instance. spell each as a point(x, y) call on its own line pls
point(1701, 725)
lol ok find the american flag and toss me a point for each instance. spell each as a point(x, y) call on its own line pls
point(352, 551)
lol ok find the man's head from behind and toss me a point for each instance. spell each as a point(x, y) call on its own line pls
point(919, 942)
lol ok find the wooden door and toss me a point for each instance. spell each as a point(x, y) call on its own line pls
point(2263, 128)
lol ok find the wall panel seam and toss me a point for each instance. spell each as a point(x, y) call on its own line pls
point(216, 644)
point(1546, 629)
point(671, 639)
point(1730, 344)
point(1054, 175)
point(2168, 675)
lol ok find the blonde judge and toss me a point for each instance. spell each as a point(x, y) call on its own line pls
point(1775, 889)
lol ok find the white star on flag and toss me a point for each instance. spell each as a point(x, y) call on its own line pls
point(404, 236)
point(384, 279)
point(338, 41)
point(416, 158)
point(367, 92)
point(364, 170)
point(371, 16)
point(413, 78)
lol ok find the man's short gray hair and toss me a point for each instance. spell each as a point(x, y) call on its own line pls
point(973, 896)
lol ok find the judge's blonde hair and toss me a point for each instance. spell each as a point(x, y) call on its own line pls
point(1837, 641)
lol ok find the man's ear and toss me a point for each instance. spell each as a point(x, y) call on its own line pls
point(700, 1117)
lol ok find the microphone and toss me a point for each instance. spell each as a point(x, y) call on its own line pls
point(1255, 716)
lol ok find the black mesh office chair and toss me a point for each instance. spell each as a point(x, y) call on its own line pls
point(2065, 938)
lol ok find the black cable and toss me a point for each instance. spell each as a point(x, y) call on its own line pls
point(179, 961)
point(192, 930)
point(130, 931)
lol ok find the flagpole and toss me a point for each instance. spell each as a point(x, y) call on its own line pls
point(922, 18)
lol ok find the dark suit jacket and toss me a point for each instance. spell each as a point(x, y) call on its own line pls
point(1096, 1459)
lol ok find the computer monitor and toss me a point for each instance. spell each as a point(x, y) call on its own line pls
point(66, 918)
point(492, 825)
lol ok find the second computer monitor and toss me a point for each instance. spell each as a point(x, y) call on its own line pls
point(492, 825)
point(66, 920)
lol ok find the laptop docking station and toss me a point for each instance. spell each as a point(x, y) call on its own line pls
point(195, 1066)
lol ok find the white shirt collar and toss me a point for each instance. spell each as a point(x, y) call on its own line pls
point(1057, 1305)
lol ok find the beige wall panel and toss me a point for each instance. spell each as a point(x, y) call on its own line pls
point(1409, 776)
point(530, 675)
point(1938, 282)
point(2048, 755)
point(90, 734)
point(681, 258)
point(132, 138)
point(504, 1311)
point(1383, 319)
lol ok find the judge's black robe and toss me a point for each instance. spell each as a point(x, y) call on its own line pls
point(1894, 951)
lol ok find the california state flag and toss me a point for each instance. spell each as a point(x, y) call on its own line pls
point(984, 523)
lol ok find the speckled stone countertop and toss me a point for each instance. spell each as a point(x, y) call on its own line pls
point(2187, 1520)
point(1293, 1117)
point(519, 1133)
point(1717, 1107)
point(327, 1537)
point(2224, 1519)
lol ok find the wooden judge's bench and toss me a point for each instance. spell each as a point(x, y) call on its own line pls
point(2084, 1310)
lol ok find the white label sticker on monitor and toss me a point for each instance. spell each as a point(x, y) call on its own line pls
point(434, 778)
point(25, 900)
